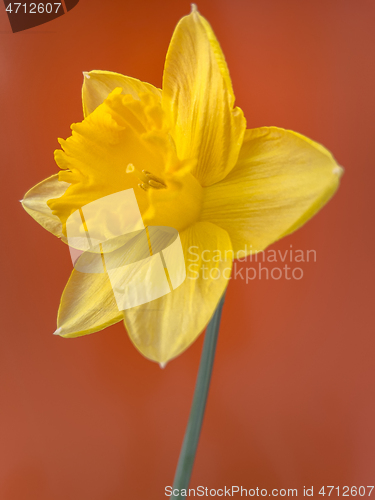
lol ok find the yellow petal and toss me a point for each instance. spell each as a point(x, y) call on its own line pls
point(87, 305)
point(165, 327)
point(280, 181)
point(35, 203)
point(97, 85)
point(198, 101)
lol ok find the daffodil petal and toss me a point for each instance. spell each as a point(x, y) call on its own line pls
point(87, 305)
point(35, 203)
point(280, 181)
point(198, 101)
point(163, 328)
point(97, 85)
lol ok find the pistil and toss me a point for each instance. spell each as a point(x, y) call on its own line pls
point(148, 179)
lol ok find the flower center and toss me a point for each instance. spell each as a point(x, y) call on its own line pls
point(147, 178)
point(125, 143)
point(175, 201)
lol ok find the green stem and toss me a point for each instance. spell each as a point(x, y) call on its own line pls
point(193, 429)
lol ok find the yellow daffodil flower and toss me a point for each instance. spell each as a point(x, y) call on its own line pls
point(194, 167)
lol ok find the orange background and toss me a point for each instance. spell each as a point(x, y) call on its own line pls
point(292, 396)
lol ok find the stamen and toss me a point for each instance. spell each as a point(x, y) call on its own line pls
point(130, 169)
point(154, 180)
point(156, 185)
point(148, 179)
